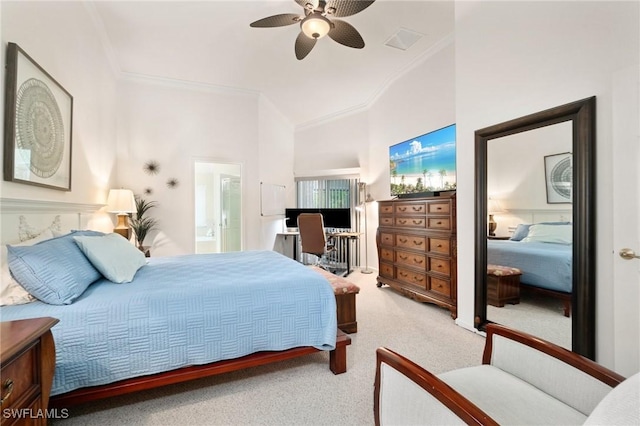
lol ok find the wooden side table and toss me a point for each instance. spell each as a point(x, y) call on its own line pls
point(27, 363)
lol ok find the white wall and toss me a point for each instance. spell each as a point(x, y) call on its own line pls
point(516, 58)
point(61, 38)
point(174, 124)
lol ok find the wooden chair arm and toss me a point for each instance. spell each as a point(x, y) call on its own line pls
point(449, 397)
point(586, 365)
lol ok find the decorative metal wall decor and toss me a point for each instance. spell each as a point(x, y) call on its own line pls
point(38, 123)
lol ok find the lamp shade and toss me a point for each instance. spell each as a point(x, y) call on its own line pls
point(121, 201)
point(315, 26)
point(494, 207)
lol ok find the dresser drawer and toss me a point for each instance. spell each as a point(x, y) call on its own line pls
point(439, 286)
point(411, 222)
point(414, 278)
point(386, 239)
point(411, 259)
point(439, 208)
point(386, 221)
point(411, 208)
point(411, 241)
point(439, 223)
point(386, 270)
point(385, 208)
point(386, 254)
point(439, 245)
point(441, 266)
point(21, 372)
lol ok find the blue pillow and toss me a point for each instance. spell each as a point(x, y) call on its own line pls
point(522, 230)
point(54, 271)
point(115, 257)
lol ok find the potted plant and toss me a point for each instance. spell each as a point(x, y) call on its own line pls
point(142, 224)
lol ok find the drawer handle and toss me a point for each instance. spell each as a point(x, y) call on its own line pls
point(417, 242)
point(402, 221)
point(439, 245)
point(403, 257)
point(438, 208)
point(402, 209)
point(402, 240)
point(8, 386)
point(418, 261)
point(438, 223)
point(404, 274)
point(417, 222)
point(417, 208)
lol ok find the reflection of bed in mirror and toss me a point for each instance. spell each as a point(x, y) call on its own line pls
point(546, 267)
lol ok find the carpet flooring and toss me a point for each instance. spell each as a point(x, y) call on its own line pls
point(303, 391)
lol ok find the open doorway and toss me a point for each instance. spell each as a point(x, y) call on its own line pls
point(218, 207)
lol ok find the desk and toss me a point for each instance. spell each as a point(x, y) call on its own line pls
point(342, 245)
point(294, 236)
point(343, 242)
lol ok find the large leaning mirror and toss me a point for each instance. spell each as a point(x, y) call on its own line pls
point(552, 189)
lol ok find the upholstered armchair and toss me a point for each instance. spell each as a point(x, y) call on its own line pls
point(522, 380)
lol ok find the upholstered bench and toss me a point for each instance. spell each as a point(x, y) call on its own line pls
point(503, 285)
point(345, 292)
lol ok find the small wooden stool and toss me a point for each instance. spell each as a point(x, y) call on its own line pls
point(503, 285)
point(345, 292)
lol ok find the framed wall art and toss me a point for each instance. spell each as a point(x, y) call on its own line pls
point(558, 171)
point(38, 123)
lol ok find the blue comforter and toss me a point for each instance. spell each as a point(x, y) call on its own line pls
point(186, 310)
point(543, 265)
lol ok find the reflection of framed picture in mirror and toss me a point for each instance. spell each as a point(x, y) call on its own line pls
point(558, 171)
point(38, 116)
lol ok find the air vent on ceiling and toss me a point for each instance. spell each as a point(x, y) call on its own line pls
point(403, 39)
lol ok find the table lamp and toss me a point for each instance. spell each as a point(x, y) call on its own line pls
point(121, 202)
point(493, 207)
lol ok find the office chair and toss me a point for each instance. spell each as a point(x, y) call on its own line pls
point(313, 240)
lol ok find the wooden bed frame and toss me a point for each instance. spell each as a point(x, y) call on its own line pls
point(564, 297)
point(337, 364)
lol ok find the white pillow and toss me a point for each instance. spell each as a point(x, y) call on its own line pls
point(556, 234)
point(11, 292)
point(115, 257)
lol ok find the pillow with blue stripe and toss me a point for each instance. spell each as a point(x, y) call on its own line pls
point(54, 271)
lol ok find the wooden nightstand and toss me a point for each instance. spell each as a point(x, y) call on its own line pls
point(27, 361)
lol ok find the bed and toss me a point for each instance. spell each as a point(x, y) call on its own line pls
point(186, 317)
point(546, 266)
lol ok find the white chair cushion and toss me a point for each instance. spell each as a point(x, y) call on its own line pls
point(620, 407)
point(508, 399)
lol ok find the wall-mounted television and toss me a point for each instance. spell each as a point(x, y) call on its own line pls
point(332, 218)
point(424, 165)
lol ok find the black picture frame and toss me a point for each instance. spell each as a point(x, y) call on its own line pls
point(38, 125)
point(558, 172)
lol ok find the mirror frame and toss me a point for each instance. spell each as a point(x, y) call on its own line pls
point(583, 307)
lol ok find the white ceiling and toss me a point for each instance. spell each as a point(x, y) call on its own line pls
point(210, 42)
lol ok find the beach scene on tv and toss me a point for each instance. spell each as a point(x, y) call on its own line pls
point(424, 164)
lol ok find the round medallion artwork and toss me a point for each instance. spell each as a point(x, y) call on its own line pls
point(561, 178)
point(39, 128)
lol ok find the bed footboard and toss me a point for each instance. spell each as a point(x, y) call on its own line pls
point(337, 364)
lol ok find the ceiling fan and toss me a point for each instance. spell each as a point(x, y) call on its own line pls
point(315, 23)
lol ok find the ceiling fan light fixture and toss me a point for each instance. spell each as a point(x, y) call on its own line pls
point(315, 26)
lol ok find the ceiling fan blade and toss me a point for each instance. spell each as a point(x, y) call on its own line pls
point(304, 45)
point(345, 34)
point(313, 4)
point(277, 21)
point(342, 8)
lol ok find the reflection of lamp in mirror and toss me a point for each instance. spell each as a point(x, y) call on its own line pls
point(493, 207)
point(121, 202)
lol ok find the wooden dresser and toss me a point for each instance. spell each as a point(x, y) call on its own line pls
point(416, 242)
point(27, 361)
